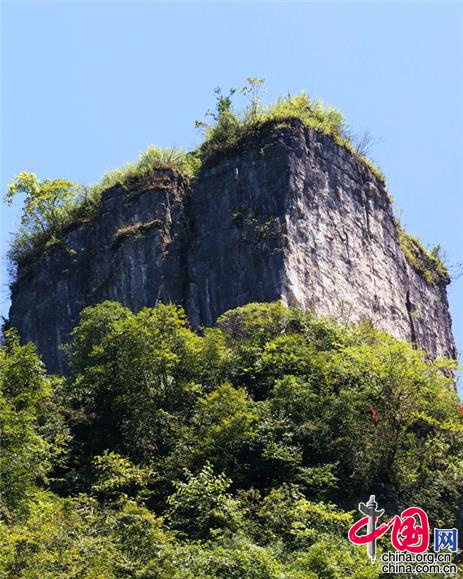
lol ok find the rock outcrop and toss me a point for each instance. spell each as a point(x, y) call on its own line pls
point(288, 215)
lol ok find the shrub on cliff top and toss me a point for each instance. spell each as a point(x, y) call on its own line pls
point(230, 126)
point(47, 206)
point(148, 163)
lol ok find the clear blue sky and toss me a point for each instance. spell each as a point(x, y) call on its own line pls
point(87, 86)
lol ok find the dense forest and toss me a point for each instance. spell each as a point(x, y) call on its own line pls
point(241, 451)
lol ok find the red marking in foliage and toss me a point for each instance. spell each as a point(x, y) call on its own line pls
point(373, 416)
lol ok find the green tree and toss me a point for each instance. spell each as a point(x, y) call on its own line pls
point(32, 434)
point(223, 424)
point(137, 377)
point(45, 202)
point(47, 205)
point(201, 505)
point(118, 478)
point(251, 90)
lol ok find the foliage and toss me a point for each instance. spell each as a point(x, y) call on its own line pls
point(134, 230)
point(149, 163)
point(51, 206)
point(76, 537)
point(32, 440)
point(231, 127)
point(201, 506)
point(224, 421)
point(428, 263)
point(117, 476)
point(240, 452)
point(47, 204)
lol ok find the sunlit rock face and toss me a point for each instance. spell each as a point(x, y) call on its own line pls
point(289, 216)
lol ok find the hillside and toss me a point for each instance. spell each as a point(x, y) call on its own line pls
point(242, 453)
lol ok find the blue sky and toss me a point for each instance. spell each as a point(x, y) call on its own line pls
point(86, 86)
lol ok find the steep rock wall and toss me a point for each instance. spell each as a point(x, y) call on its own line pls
point(288, 215)
point(344, 255)
point(131, 252)
point(238, 210)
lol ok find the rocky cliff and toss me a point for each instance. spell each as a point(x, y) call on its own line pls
point(287, 215)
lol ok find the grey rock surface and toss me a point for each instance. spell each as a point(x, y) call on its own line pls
point(289, 215)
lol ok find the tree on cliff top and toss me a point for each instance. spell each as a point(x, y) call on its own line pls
point(45, 202)
point(46, 205)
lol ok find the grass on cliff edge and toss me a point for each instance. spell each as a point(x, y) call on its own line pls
point(52, 206)
point(428, 263)
point(230, 127)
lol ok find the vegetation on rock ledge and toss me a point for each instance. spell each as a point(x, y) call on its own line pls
point(53, 205)
point(242, 453)
point(134, 230)
point(428, 263)
point(231, 127)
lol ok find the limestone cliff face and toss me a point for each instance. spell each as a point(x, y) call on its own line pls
point(290, 216)
point(132, 253)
